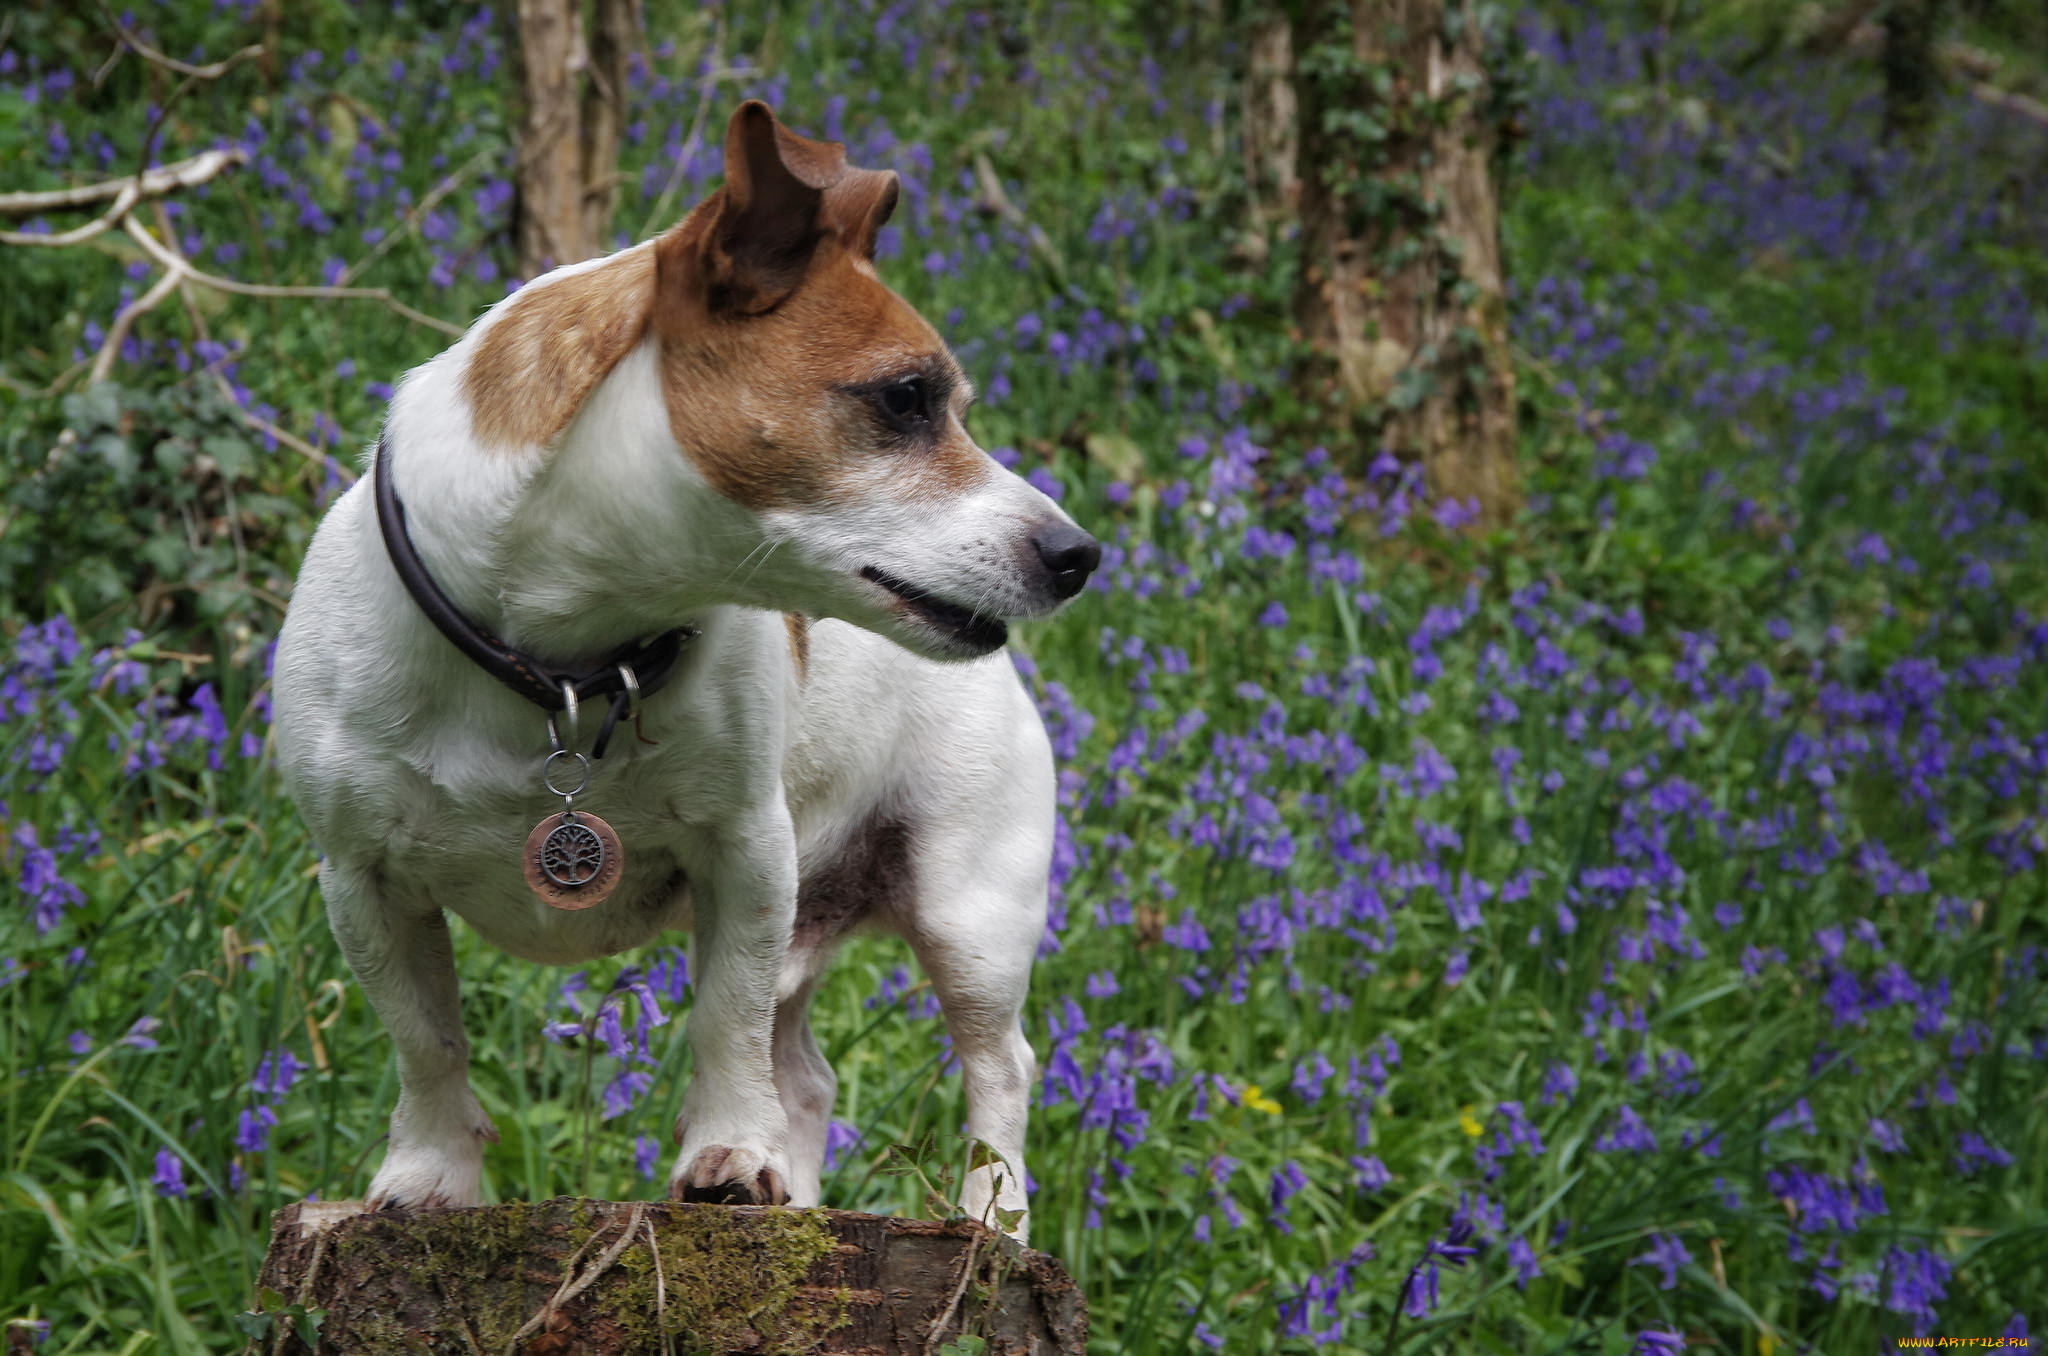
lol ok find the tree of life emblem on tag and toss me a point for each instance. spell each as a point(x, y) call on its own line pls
point(573, 860)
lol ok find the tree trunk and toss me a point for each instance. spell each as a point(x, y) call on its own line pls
point(1912, 70)
point(1400, 284)
point(607, 1278)
point(550, 178)
point(1270, 123)
point(614, 27)
point(572, 115)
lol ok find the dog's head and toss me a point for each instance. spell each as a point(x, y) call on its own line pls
point(823, 407)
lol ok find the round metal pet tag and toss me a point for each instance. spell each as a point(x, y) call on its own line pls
point(573, 860)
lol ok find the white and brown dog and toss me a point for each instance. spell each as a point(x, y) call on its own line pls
point(734, 427)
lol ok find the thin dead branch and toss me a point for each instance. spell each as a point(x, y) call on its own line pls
point(412, 221)
point(221, 383)
point(150, 184)
point(169, 260)
point(668, 1345)
point(573, 1284)
point(126, 193)
point(212, 71)
point(707, 87)
point(184, 87)
point(154, 183)
point(2011, 102)
point(117, 333)
point(992, 200)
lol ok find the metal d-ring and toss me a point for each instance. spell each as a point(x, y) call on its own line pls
point(582, 765)
point(569, 711)
point(632, 682)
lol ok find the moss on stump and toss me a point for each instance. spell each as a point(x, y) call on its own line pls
point(597, 1278)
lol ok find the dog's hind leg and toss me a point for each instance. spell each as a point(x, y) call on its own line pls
point(981, 983)
point(404, 960)
point(976, 924)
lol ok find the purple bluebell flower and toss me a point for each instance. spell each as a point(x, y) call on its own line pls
point(276, 1072)
point(1667, 1253)
point(253, 1127)
point(1523, 1258)
point(1451, 1248)
point(170, 1174)
point(624, 1092)
point(841, 1140)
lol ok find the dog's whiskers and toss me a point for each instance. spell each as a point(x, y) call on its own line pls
point(764, 560)
point(743, 561)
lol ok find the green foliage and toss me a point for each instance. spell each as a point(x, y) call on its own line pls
point(278, 1319)
point(144, 503)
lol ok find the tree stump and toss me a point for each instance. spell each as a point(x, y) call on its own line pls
point(576, 1277)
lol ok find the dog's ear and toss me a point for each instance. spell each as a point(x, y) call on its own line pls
point(859, 205)
point(748, 246)
point(852, 204)
point(766, 227)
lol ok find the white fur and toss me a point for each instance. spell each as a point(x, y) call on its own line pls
point(420, 775)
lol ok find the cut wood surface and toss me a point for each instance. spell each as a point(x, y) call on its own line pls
point(576, 1277)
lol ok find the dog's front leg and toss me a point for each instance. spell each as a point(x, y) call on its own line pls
point(733, 1131)
point(404, 960)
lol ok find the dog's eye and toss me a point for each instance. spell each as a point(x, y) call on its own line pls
point(905, 401)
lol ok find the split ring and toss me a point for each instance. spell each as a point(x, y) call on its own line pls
point(548, 773)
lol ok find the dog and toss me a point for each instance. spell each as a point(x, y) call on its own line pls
point(735, 439)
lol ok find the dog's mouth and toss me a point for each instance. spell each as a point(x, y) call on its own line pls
point(963, 624)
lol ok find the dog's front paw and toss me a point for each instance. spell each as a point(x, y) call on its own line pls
point(413, 1179)
point(446, 1170)
point(718, 1175)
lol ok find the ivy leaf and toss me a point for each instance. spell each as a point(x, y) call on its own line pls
point(233, 455)
point(255, 1325)
point(119, 455)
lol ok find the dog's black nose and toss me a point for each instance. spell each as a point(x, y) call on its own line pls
point(1070, 554)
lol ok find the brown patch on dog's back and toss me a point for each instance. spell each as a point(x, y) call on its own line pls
point(871, 873)
point(799, 627)
point(540, 360)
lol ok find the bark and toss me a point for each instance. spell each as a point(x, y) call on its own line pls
point(604, 1278)
point(1271, 136)
point(1400, 284)
point(615, 25)
point(1912, 73)
point(572, 116)
point(550, 57)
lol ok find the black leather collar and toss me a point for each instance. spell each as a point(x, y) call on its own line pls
point(652, 662)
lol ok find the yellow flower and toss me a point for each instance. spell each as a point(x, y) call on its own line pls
point(1765, 1344)
point(1470, 1123)
point(1258, 1101)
